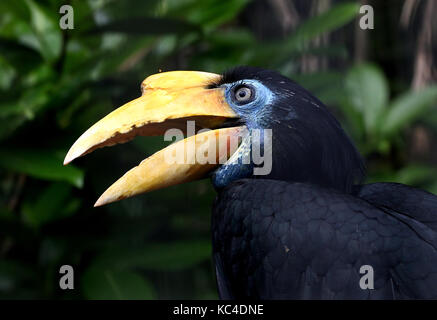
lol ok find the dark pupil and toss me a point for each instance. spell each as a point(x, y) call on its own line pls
point(243, 94)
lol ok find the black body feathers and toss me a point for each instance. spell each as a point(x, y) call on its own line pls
point(305, 230)
point(279, 240)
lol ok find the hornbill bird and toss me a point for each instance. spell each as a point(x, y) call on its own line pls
point(305, 228)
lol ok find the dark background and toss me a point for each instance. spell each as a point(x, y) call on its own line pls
point(56, 83)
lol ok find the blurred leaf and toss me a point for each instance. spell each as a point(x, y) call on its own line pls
point(65, 115)
point(7, 74)
point(327, 86)
point(41, 164)
point(275, 54)
point(367, 91)
point(9, 126)
point(22, 57)
point(160, 256)
point(433, 188)
point(333, 18)
point(207, 13)
point(145, 26)
point(431, 119)
point(214, 12)
point(318, 80)
point(328, 51)
point(128, 56)
point(415, 174)
point(116, 10)
point(407, 108)
point(231, 39)
point(38, 98)
point(53, 203)
point(17, 7)
point(411, 175)
point(104, 284)
point(47, 31)
point(29, 103)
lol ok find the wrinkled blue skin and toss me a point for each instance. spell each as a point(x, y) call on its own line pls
point(256, 115)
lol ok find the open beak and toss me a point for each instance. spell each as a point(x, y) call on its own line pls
point(168, 101)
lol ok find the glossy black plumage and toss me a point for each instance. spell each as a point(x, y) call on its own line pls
point(305, 230)
point(280, 240)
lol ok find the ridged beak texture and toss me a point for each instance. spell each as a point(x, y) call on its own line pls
point(168, 101)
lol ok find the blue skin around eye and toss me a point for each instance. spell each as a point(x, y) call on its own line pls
point(255, 112)
point(256, 115)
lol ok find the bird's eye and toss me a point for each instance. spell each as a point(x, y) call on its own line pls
point(243, 94)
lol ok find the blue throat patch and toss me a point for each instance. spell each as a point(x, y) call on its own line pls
point(256, 115)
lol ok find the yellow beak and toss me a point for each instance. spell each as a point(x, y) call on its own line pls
point(168, 101)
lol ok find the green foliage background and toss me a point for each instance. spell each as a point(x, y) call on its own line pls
point(54, 84)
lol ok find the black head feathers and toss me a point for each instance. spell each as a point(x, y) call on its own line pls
point(309, 144)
